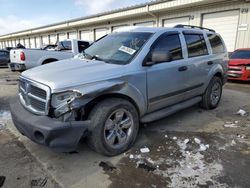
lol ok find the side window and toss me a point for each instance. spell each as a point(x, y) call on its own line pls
point(196, 45)
point(216, 43)
point(82, 45)
point(170, 43)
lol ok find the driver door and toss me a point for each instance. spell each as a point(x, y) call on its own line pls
point(167, 81)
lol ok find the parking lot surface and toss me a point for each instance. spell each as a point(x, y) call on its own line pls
point(192, 148)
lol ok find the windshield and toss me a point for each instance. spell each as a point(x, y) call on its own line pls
point(117, 48)
point(241, 54)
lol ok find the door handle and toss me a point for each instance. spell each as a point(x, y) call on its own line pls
point(210, 62)
point(183, 68)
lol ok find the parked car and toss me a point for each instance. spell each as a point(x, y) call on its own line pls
point(130, 76)
point(23, 59)
point(239, 65)
point(4, 57)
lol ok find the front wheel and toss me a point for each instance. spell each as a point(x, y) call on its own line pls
point(114, 126)
point(212, 95)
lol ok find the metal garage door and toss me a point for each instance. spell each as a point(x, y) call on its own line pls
point(23, 42)
point(45, 40)
point(100, 33)
point(52, 39)
point(118, 27)
point(175, 21)
point(145, 24)
point(27, 43)
point(32, 42)
point(62, 36)
point(226, 24)
point(72, 35)
point(85, 35)
point(13, 43)
point(17, 41)
point(38, 42)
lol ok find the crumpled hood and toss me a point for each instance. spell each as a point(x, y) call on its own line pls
point(239, 62)
point(73, 72)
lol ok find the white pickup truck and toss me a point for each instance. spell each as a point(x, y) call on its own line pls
point(23, 59)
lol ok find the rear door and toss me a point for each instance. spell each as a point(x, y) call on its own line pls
point(166, 82)
point(199, 63)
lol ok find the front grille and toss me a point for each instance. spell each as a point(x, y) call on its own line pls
point(234, 69)
point(38, 92)
point(231, 75)
point(34, 96)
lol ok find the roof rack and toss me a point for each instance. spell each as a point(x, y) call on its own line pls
point(193, 27)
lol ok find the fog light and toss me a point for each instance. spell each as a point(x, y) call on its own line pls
point(39, 136)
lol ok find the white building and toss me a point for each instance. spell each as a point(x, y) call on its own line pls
point(230, 18)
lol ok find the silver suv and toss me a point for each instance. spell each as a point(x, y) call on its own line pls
point(134, 75)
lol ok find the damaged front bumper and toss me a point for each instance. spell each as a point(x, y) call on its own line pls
point(58, 135)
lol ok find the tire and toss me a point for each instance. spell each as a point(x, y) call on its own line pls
point(211, 97)
point(107, 135)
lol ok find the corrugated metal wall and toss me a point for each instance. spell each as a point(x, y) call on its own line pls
point(192, 15)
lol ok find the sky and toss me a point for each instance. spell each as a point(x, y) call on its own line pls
point(16, 15)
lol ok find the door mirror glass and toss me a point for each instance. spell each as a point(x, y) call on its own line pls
point(160, 55)
point(166, 48)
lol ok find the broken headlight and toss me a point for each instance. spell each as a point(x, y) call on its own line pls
point(61, 102)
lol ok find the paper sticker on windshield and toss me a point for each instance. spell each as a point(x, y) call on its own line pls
point(127, 50)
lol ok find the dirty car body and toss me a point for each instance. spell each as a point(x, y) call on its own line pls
point(56, 101)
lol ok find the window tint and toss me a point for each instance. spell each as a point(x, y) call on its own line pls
point(196, 45)
point(82, 45)
point(172, 44)
point(216, 43)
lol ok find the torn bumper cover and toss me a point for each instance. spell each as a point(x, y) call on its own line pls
point(58, 135)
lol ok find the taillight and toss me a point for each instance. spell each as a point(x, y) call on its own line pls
point(22, 56)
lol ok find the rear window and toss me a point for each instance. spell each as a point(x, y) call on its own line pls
point(82, 45)
point(64, 45)
point(196, 45)
point(216, 43)
point(241, 54)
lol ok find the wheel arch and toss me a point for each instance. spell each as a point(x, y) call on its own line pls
point(91, 104)
point(49, 60)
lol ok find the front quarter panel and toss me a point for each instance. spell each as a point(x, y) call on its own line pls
point(121, 87)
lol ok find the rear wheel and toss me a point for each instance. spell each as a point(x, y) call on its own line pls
point(212, 96)
point(114, 126)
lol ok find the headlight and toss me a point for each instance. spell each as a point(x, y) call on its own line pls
point(248, 68)
point(61, 101)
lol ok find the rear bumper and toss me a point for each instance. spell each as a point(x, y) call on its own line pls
point(58, 135)
point(17, 66)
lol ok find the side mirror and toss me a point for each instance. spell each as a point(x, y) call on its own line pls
point(158, 56)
